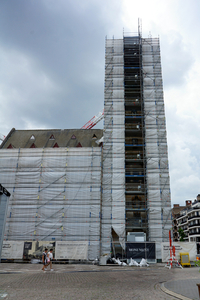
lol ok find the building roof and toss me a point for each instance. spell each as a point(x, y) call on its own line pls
point(176, 210)
point(44, 138)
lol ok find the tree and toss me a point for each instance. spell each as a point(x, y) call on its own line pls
point(181, 235)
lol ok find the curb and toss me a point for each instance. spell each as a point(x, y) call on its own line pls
point(163, 288)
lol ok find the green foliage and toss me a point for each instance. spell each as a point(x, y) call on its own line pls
point(197, 264)
point(181, 234)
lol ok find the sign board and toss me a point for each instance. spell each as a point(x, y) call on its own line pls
point(141, 250)
point(34, 249)
point(12, 250)
point(189, 247)
point(71, 250)
point(4, 191)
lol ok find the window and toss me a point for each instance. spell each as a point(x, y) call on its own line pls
point(52, 137)
point(10, 146)
point(79, 145)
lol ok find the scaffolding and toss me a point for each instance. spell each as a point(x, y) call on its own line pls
point(100, 195)
point(135, 158)
point(136, 204)
point(113, 186)
point(55, 195)
point(158, 192)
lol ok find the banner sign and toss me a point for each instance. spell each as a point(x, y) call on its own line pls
point(141, 250)
point(179, 247)
point(71, 250)
point(25, 249)
point(34, 249)
point(12, 250)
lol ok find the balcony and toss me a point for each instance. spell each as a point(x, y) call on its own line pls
point(182, 222)
point(195, 233)
point(193, 208)
point(193, 217)
point(194, 225)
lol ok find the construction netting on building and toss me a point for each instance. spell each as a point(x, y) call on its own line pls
point(113, 185)
point(157, 171)
point(55, 195)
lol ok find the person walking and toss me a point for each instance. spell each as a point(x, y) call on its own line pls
point(50, 257)
point(44, 259)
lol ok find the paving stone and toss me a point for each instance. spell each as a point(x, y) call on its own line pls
point(81, 282)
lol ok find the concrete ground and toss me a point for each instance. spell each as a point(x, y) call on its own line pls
point(28, 281)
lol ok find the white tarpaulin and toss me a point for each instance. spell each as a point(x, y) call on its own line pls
point(113, 183)
point(12, 250)
point(55, 194)
point(158, 190)
point(179, 247)
point(71, 250)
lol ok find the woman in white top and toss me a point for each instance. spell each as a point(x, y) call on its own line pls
point(50, 258)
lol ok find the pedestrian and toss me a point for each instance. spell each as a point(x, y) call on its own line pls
point(50, 257)
point(44, 259)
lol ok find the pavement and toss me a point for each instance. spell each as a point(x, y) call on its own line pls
point(85, 281)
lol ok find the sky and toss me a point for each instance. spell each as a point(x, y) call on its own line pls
point(52, 57)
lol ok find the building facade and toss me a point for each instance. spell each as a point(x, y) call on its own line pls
point(189, 221)
point(176, 211)
point(54, 178)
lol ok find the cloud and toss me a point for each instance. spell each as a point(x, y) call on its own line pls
point(177, 59)
point(56, 77)
point(183, 140)
point(52, 68)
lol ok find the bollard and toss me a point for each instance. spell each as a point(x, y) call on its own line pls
point(198, 284)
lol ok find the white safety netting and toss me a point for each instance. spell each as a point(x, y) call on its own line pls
point(113, 196)
point(157, 171)
point(55, 195)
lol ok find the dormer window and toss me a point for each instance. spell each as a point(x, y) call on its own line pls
point(94, 137)
point(32, 137)
point(73, 137)
point(10, 146)
point(79, 145)
point(56, 146)
point(52, 137)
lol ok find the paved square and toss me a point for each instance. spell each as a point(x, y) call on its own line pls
point(28, 281)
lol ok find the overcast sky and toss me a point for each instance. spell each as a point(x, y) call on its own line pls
point(52, 69)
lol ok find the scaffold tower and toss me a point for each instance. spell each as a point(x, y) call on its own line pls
point(136, 188)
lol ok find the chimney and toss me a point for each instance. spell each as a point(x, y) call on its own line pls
point(176, 205)
point(198, 197)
